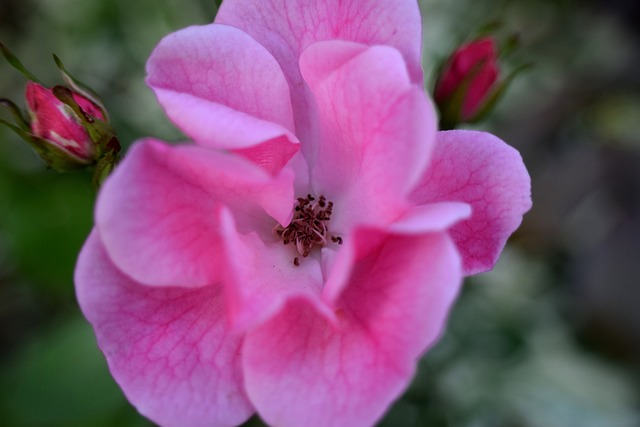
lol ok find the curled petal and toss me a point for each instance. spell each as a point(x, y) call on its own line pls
point(168, 348)
point(481, 170)
point(376, 130)
point(273, 155)
point(222, 88)
point(302, 368)
point(157, 213)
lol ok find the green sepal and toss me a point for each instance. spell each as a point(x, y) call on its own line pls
point(451, 107)
point(100, 132)
point(17, 64)
point(53, 155)
point(105, 165)
point(496, 94)
point(80, 87)
point(488, 29)
point(21, 121)
point(510, 45)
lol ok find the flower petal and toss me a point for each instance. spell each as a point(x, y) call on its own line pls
point(287, 27)
point(480, 169)
point(262, 276)
point(221, 87)
point(376, 130)
point(430, 218)
point(273, 155)
point(168, 348)
point(302, 370)
point(157, 213)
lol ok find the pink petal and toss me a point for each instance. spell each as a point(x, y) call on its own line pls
point(262, 276)
point(430, 218)
point(221, 87)
point(272, 155)
point(158, 213)
point(88, 106)
point(376, 130)
point(480, 169)
point(168, 348)
point(287, 27)
point(300, 370)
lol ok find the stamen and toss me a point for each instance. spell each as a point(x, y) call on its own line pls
point(309, 226)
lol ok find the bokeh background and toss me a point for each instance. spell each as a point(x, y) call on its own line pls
point(550, 338)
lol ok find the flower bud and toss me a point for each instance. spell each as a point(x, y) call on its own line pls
point(57, 123)
point(67, 125)
point(467, 81)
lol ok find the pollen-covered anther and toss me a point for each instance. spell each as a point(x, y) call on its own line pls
point(309, 226)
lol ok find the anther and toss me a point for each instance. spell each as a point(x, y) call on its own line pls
point(309, 226)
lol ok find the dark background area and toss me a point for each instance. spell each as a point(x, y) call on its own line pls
point(550, 338)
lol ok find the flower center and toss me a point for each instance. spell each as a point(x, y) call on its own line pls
point(309, 226)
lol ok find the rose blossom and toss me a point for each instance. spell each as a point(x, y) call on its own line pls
point(299, 257)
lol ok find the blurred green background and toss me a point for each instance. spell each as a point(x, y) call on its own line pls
point(550, 338)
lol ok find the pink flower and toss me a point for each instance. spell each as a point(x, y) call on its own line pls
point(473, 69)
point(55, 122)
point(300, 257)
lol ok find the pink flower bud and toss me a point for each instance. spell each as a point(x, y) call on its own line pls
point(467, 80)
point(57, 123)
